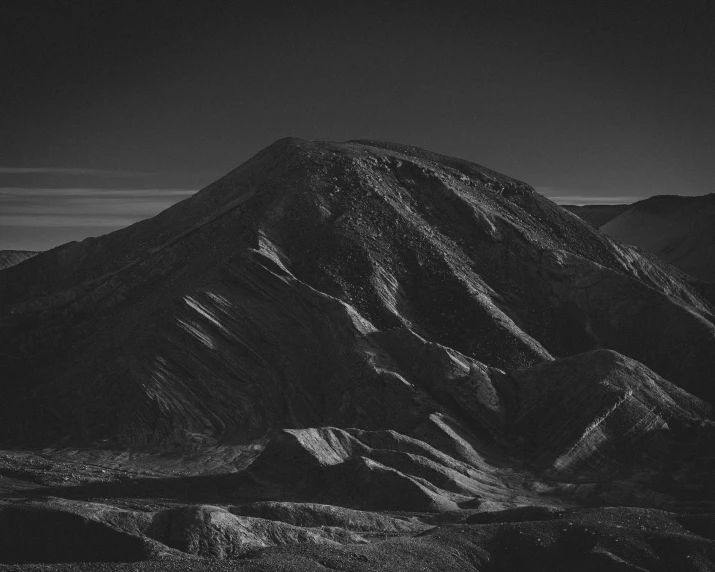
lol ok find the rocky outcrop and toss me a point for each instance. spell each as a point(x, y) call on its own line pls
point(598, 413)
point(594, 417)
point(380, 470)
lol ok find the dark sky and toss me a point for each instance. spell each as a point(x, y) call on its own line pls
point(112, 110)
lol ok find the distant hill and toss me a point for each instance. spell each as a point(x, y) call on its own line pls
point(597, 215)
point(9, 258)
point(680, 230)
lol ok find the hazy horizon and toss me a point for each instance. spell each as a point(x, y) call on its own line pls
point(116, 111)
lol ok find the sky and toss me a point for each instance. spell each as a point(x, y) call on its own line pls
point(114, 110)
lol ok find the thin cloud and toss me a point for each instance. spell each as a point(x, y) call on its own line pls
point(67, 221)
point(83, 207)
point(91, 192)
point(71, 171)
point(563, 197)
point(582, 201)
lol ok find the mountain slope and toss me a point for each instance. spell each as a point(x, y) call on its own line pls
point(597, 215)
point(10, 258)
point(680, 230)
point(260, 302)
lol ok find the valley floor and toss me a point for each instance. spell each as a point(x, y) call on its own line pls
point(143, 512)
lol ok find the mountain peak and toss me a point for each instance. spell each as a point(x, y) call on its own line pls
point(374, 236)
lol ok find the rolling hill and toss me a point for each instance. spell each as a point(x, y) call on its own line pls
point(680, 230)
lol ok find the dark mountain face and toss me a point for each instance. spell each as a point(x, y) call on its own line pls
point(262, 300)
point(679, 230)
point(370, 327)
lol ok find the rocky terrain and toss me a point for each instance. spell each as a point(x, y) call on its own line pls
point(11, 257)
point(356, 356)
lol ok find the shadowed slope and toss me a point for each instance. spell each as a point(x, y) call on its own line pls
point(591, 415)
point(597, 215)
point(680, 230)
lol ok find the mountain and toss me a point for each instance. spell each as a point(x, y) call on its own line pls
point(680, 230)
point(597, 215)
point(353, 335)
point(11, 257)
point(231, 311)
